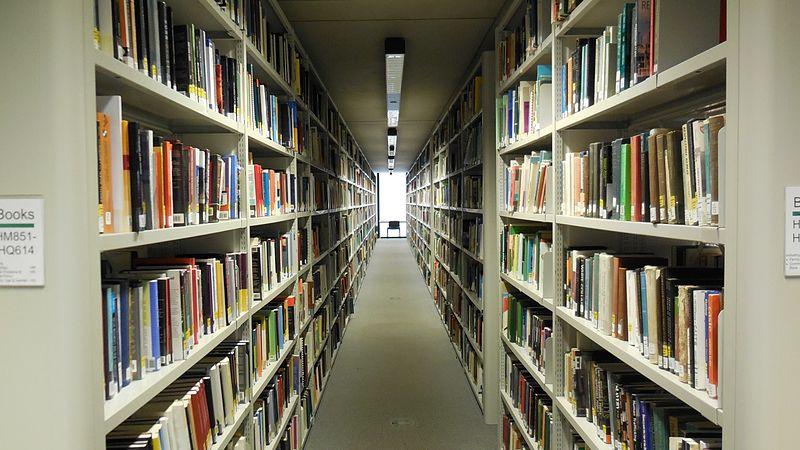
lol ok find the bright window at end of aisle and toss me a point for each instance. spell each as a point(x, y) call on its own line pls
point(392, 203)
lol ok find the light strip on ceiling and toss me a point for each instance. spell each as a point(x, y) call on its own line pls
point(395, 53)
point(391, 136)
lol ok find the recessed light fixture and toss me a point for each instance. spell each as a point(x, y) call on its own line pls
point(391, 162)
point(391, 135)
point(395, 53)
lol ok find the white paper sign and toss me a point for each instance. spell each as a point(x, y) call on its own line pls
point(22, 241)
point(792, 250)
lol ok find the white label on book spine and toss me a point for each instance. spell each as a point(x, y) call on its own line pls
point(21, 241)
point(792, 250)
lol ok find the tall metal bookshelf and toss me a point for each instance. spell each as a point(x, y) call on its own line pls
point(450, 236)
point(695, 75)
point(346, 254)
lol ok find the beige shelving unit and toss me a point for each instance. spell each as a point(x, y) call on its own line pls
point(455, 154)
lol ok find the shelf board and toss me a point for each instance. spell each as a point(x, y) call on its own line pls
point(117, 241)
point(540, 137)
point(528, 290)
point(524, 358)
point(132, 397)
point(272, 368)
point(700, 73)
point(205, 15)
point(171, 108)
point(242, 411)
point(265, 220)
point(587, 430)
point(262, 144)
point(274, 79)
point(533, 217)
point(589, 16)
point(288, 412)
point(527, 70)
point(522, 425)
point(712, 235)
point(628, 354)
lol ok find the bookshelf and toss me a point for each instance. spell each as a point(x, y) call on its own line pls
point(324, 152)
point(450, 211)
point(693, 79)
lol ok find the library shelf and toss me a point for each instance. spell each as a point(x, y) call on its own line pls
point(712, 235)
point(118, 241)
point(522, 425)
point(272, 368)
point(266, 220)
point(628, 354)
point(242, 411)
point(531, 217)
point(264, 146)
point(527, 289)
point(205, 15)
point(528, 67)
point(467, 333)
point(272, 294)
point(590, 17)
point(132, 397)
point(524, 358)
point(586, 429)
point(288, 413)
point(691, 78)
point(539, 137)
point(139, 91)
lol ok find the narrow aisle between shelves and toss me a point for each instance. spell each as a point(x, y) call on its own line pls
point(397, 383)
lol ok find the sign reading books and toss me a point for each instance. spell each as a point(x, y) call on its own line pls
point(792, 250)
point(21, 241)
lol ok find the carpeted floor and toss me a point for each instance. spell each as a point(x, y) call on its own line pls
point(397, 383)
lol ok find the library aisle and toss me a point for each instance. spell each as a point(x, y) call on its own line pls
point(411, 393)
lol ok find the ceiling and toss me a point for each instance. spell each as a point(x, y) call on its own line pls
point(345, 39)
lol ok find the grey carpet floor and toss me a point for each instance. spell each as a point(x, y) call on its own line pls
point(397, 383)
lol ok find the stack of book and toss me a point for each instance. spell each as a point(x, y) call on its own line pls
point(531, 401)
point(526, 109)
point(273, 262)
point(518, 43)
point(525, 182)
point(670, 315)
point(149, 182)
point(661, 176)
point(523, 249)
point(271, 192)
point(628, 409)
point(154, 314)
point(528, 325)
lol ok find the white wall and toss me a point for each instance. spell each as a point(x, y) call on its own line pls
point(392, 198)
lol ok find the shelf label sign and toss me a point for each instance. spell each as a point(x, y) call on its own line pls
point(21, 241)
point(792, 250)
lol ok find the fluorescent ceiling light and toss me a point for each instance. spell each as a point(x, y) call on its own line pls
point(391, 162)
point(395, 53)
point(392, 141)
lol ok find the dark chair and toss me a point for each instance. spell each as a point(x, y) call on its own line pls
point(393, 225)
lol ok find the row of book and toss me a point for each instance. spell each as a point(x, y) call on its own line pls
point(272, 329)
point(473, 278)
point(472, 194)
point(530, 400)
point(628, 410)
point(524, 253)
point(142, 34)
point(271, 192)
point(470, 316)
point(473, 366)
point(472, 235)
point(528, 325)
point(525, 181)
point(148, 182)
point(156, 313)
point(272, 406)
point(277, 47)
point(662, 176)
point(517, 44)
point(511, 435)
point(194, 410)
point(272, 117)
point(525, 109)
point(669, 314)
point(470, 101)
point(621, 57)
point(274, 261)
